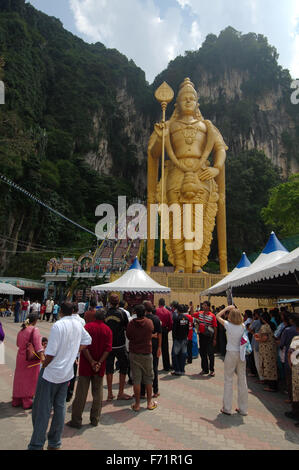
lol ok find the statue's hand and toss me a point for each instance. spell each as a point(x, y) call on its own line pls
point(159, 129)
point(209, 174)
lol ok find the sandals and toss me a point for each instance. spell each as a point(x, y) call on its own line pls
point(238, 411)
point(153, 406)
point(224, 412)
point(124, 397)
point(134, 409)
point(212, 374)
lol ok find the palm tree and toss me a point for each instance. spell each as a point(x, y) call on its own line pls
point(73, 285)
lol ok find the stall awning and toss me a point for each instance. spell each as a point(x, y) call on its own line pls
point(9, 289)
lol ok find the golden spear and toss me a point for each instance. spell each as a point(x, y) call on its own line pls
point(164, 94)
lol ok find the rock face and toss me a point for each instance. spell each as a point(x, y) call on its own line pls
point(270, 120)
point(135, 129)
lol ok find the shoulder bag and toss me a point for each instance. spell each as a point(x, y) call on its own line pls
point(31, 354)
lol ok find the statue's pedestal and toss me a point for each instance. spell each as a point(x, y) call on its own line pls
point(165, 269)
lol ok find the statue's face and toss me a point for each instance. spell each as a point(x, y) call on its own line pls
point(187, 103)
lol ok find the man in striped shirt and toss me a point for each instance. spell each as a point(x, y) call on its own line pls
point(207, 331)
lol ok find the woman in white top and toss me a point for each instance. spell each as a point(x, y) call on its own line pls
point(235, 328)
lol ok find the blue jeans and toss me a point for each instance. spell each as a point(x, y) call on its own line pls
point(179, 353)
point(23, 315)
point(48, 395)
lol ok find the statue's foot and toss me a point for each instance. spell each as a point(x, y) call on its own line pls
point(179, 269)
point(198, 270)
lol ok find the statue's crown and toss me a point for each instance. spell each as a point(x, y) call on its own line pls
point(187, 85)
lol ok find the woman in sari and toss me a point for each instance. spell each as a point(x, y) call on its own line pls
point(268, 353)
point(26, 373)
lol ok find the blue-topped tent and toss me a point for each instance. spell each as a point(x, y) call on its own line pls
point(134, 280)
point(271, 254)
point(224, 284)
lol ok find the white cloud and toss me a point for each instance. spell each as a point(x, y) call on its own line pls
point(183, 3)
point(133, 27)
point(196, 35)
point(152, 35)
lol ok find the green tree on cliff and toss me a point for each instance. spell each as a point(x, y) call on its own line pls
point(281, 213)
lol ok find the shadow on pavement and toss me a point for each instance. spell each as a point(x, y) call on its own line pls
point(224, 421)
point(7, 411)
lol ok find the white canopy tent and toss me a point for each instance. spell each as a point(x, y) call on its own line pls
point(9, 289)
point(224, 283)
point(271, 254)
point(135, 280)
point(289, 263)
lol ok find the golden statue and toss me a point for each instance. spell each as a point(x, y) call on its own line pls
point(189, 179)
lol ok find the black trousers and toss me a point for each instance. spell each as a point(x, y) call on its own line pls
point(155, 367)
point(221, 338)
point(206, 353)
point(165, 349)
point(70, 389)
point(189, 351)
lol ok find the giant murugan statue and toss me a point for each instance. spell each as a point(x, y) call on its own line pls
point(188, 177)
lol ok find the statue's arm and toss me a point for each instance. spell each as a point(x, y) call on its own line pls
point(219, 154)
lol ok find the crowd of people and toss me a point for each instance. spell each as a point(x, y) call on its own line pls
point(95, 339)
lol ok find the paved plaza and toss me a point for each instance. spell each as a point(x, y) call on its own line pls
point(187, 418)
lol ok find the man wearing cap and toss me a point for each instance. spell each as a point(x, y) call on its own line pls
point(117, 321)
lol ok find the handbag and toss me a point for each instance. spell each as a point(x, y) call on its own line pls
point(208, 331)
point(245, 346)
point(31, 355)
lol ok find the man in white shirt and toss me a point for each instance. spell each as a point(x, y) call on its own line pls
point(35, 307)
point(67, 337)
point(49, 308)
point(71, 385)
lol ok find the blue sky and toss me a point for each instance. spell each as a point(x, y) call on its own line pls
point(152, 32)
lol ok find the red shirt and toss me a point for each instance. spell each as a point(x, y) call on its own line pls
point(101, 341)
point(190, 334)
point(165, 317)
point(206, 318)
point(139, 333)
point(25, 305)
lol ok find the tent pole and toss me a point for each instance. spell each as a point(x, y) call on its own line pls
point(296, 278)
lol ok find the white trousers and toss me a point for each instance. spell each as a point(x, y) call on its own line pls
point(232, 364)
